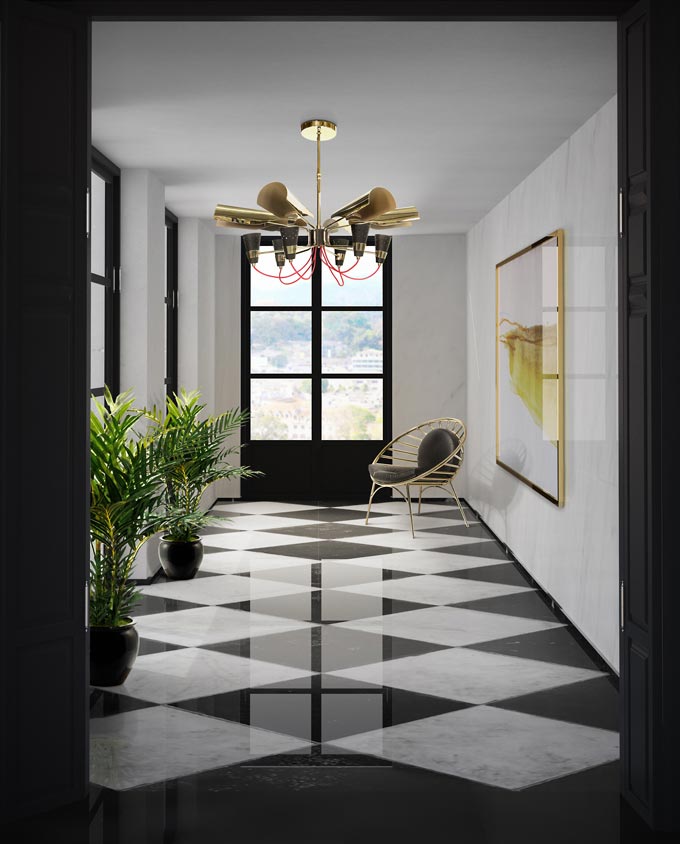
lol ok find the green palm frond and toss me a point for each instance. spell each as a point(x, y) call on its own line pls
point(126, 488)
point(195, 450)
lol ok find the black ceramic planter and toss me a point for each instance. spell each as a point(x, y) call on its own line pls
point(113, 651)
point(180, 560)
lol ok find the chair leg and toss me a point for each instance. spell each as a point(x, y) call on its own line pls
point(370, 499)
point(462, 512)
point(410, 510)
point(420, 499)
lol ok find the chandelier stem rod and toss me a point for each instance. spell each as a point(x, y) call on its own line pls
point(318, 177)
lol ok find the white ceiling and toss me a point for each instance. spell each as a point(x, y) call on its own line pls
point(450, 116)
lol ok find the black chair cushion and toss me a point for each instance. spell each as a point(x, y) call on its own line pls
point(436, 446)
point(383, 473)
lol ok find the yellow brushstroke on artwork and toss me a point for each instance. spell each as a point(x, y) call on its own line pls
point(532, 360)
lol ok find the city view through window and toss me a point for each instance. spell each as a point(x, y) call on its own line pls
point(350, 350)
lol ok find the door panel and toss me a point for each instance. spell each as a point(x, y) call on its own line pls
point(312, 354)
point(44, 383)
point(649, 303)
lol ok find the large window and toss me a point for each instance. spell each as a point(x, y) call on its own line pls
point(316, 355)
point(104, 274)
point(171, 321)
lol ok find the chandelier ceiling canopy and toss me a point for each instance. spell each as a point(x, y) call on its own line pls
point(284, 213)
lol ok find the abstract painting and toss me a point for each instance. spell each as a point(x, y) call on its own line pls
point(529, 366)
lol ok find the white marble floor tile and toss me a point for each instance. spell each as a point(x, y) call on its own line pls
point(211, 625)
point(160, 743)
point(493, 746)
point(450, 626)
point(247, 540)
point(265, 522)
point(264, 507)
point(187, 673)
point(467, 675)
point(423, 562)
point(403, 540)
point(433, 589)
point(222, 589)
point(233, 562)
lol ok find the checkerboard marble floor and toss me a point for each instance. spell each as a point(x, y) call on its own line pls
point(311, 640)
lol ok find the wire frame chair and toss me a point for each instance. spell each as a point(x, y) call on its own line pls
point(402, 454)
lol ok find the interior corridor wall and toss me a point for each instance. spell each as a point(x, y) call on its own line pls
point(571, 551)
point(429, 340)
point(428, 331)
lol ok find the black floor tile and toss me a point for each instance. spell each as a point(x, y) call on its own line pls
point(104, 703)
point(320, 714)
point(327, 514)
point(591, 702)
point(325, 606)
point(505, 573)
point(556, 645)
point(325, 648)
point(474, 530)
point(476, 549)
point(327, 550)
point(150, 604)
point(327, 574)
point(329, 530)
point(522, 604)
point(151, 646)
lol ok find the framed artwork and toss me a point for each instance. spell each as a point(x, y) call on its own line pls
point(530, 366)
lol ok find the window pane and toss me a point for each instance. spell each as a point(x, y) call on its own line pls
point(97, 334)
point(280, 342)
point(281, 408)
point(352, 408)
point(97, 225)
point(352, 341)
point(366, 291)
point(271, 291)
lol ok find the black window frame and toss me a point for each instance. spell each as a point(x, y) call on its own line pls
point(317, 309)
point(171, 303)
point(110, 173)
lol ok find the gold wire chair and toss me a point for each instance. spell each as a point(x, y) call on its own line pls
point(433, 454)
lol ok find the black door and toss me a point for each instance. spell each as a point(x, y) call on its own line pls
point(316, 377)
point(44, 385)
point(649, 304)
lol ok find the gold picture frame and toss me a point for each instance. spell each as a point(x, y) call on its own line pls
point(530, 366)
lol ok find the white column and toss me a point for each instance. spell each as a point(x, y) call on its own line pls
point(196, 308)
point(142, 306)
point(228, 338)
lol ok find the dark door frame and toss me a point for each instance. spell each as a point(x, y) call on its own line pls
point(648, 564)
point(314, 469)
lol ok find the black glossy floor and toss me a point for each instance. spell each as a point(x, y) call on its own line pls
point(324, 681)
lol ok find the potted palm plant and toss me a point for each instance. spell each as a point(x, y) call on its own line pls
point(126, 487)
point(196, 455)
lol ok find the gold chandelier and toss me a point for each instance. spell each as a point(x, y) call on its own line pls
point(284, 213)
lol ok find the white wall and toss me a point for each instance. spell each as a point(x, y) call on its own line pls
point(572, 551)
point(142, 305)
point(196, 308)
point(142, 292)
point(228, 340)
point(428, 333)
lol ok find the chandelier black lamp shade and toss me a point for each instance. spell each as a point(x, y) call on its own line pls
point(279, 254)
point(289, 236)
point(341, 244)
point(251, 244)
point(281, 211)
point(359, 238)
point(382, 247)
